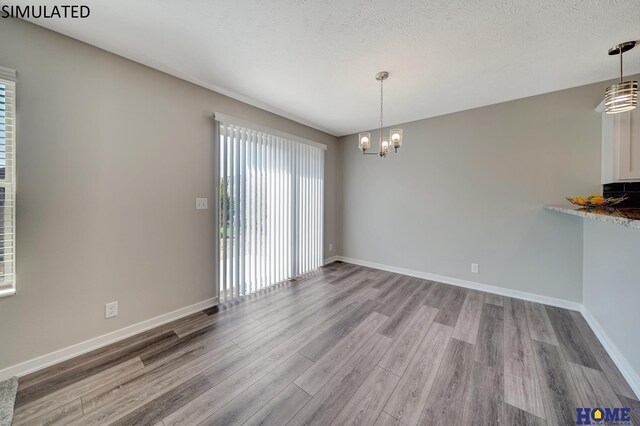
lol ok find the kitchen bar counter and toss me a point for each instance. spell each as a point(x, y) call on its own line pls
point(625, 217)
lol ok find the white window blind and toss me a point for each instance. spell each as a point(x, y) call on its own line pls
point(271, 209)
point(7, 181)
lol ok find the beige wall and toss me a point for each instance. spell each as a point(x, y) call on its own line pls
point(111, 156)
point(471, 186)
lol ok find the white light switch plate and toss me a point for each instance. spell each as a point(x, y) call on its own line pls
point(475, 268)
point(201, 204)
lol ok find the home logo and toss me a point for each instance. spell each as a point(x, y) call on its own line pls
point(63, 11)
point(603, 416)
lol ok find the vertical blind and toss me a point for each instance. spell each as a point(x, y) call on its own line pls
point(271, 209)
point(7, 182)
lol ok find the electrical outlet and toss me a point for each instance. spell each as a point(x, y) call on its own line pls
point(111, 310)
point(475, 268)
point(330, 247)
point(201, 204)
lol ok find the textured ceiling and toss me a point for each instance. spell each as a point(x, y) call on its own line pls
point(315, 61)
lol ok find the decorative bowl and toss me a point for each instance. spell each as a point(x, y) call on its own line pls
point(596, 201)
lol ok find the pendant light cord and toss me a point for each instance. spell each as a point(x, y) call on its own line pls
point(621, 78)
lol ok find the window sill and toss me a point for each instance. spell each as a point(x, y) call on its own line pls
point(7, 292)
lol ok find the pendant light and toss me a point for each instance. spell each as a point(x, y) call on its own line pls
point(623, 96)
point(394, 140)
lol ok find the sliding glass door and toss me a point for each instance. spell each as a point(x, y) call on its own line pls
point(271, 209)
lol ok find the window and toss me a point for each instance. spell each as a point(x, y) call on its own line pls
point(271, 208)
point(7, 181)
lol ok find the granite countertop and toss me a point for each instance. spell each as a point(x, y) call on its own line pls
point(625, 217)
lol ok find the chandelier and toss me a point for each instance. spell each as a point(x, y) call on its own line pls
point(623, 96)
point(394, 140)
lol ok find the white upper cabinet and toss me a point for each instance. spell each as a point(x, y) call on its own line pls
point(620, 146)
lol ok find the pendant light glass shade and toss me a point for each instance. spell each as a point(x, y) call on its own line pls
point(384, 146)
point(621, 97)
point(364, 141)
point(396, 138)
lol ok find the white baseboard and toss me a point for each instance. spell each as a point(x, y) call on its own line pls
point(546, 300)
point(619, 360)
point(104, 340)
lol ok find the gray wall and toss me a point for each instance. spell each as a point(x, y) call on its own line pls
point(612, 284)
point(111, 156)
point(471, 186)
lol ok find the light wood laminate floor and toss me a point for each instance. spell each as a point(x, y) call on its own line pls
point(343, 345)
